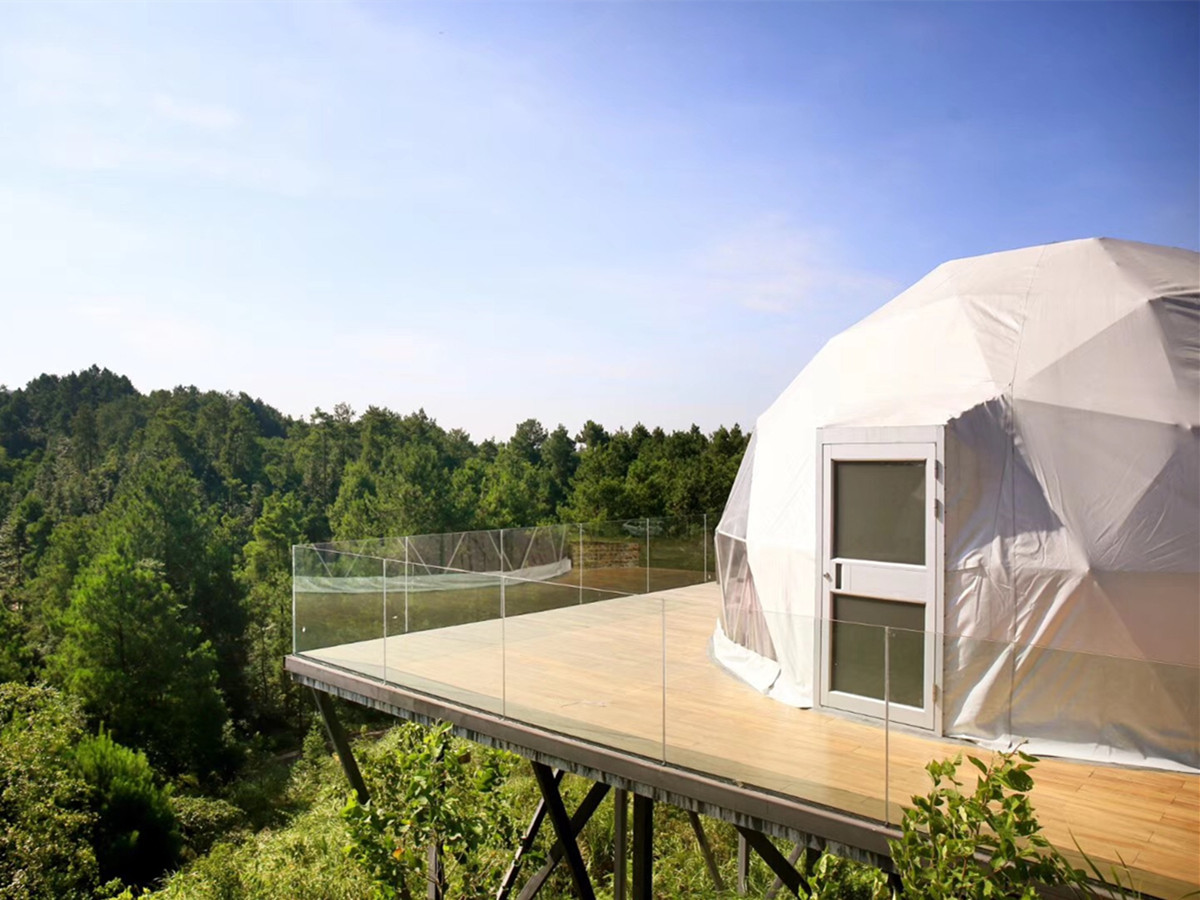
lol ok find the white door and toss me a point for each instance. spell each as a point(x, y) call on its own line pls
point(880, 574)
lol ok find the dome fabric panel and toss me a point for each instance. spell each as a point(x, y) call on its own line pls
point(1066, 379)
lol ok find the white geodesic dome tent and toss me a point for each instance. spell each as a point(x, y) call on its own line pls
point(1001, 466)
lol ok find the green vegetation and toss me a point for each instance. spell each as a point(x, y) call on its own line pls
point(135, 835)
point(430, 791)
point(986, 844)
point(334, 847)
point(145, 598)
point(46, 820)
point(149, 735)
point(425, 784)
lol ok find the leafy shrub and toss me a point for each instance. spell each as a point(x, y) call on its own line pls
point(203, 821)
point(45, 818)
point(836, 878)
point(429, 788)
point(986, 844)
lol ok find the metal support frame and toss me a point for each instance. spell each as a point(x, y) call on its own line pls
point(793, 858)
point(743, 865)
point(781, 816)
point(643, 847)
point(437, 874)
point(564, 828)
point(531, 832)
point(589, 806)
point(337, 737)
point(620, 847)
point(702, 839)
point(775, 860)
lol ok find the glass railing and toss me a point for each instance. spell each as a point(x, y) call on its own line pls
point(585, 630)
point(559, 626)
point(1118, 739)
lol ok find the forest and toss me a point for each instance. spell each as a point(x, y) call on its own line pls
point(145, 605)
point(151, 743)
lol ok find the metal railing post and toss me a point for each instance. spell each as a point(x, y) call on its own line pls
point(295, 625)
point(503, 650)
point(383, 568)
point(647, 556)
point(887, 721)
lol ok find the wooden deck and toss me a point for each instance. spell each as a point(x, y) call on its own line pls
point(596, 671)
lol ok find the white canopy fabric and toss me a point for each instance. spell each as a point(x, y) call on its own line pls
point(1067, 379)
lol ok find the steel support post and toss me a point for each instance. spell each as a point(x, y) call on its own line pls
point(337, 737)
point(643, 847)
point(437, 874)
point(620, 833)
point(743, 865)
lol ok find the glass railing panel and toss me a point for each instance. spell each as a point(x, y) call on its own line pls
point(612, 559)
point(541, 563)
point(397, 620)
point(592, 670)
point(529, 551)
point(445, 633)
point(677, 552)
point(1120, 712)
point(465, 551)
point(735, 714)
point(339, 608)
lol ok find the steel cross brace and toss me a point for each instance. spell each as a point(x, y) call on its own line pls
point(793, 857)
point(589, 805)
point(777, 862)
point(566, 828)
point(527, 839)
point(709, 861)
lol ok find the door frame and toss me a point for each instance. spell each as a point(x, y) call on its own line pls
point(863, 441)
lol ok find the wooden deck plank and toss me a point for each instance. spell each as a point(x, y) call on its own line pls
point(597, 671)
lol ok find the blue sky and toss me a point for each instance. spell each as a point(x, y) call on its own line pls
point(630, 212)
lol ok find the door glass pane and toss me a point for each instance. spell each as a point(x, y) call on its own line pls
point(858, 639)
point(879, 511)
